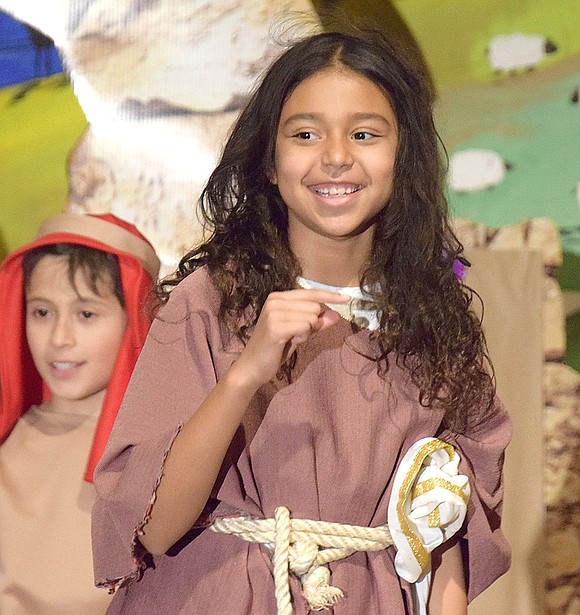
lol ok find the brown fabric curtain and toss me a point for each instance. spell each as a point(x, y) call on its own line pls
point(510, 282)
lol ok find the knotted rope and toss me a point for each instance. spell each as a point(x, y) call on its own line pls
point(304, 547)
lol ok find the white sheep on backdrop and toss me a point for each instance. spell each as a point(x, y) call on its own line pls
point(476, 169)
point(512, 52)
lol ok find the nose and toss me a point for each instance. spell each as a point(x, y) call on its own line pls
point(63, 332)
point(337, 155)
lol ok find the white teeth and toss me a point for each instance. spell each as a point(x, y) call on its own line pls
point(63, 365)
point(336, 190)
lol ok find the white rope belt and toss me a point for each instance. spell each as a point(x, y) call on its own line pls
point(303, 547)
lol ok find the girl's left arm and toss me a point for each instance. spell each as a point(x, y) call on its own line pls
point(448, 595)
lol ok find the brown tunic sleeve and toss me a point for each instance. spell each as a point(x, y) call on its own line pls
point(173, 376)
point(485, 549)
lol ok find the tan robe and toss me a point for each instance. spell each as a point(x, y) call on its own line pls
point(45, 507)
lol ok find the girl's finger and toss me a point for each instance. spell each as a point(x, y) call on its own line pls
point(311, 294)
point(325, 320)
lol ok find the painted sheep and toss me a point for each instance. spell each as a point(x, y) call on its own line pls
point(513, 52)
point(476, 169)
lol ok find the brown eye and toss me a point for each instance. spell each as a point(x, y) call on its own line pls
point(363, 136)
point(306, 135)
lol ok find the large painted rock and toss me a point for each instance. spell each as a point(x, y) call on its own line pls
point(160, 84)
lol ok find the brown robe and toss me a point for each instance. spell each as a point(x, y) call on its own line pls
point(325, 445)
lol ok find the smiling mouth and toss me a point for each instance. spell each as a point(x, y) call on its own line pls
point(64, 365)
point(336, 190)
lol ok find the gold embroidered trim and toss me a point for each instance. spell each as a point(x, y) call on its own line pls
point(434, 518)
point(433, 483)
point(414, 541)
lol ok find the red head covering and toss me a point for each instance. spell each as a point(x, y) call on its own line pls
point(20, 383)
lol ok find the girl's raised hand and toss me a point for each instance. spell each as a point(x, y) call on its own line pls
point(288, 319)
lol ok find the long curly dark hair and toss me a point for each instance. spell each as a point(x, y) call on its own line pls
point(427, 324)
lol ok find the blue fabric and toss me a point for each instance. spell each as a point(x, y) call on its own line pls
point(25, 53)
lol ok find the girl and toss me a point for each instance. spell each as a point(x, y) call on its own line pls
point(71, 329)
point(282, 415)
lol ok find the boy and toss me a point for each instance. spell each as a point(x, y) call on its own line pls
point(73, 323)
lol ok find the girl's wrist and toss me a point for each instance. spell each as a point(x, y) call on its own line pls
point(240, 380)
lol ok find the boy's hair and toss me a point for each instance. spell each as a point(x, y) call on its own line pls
point(95, 265)
point(426, 320)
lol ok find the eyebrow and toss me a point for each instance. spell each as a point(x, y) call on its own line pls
point(358, 117)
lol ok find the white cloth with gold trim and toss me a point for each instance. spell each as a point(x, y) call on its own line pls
point(427, 507)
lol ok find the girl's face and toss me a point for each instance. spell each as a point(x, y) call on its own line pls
point(335, 157)
point(73, 335)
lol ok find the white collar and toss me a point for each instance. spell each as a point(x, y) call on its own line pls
point(360, 309)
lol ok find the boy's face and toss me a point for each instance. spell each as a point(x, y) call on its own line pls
point(73, 335)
